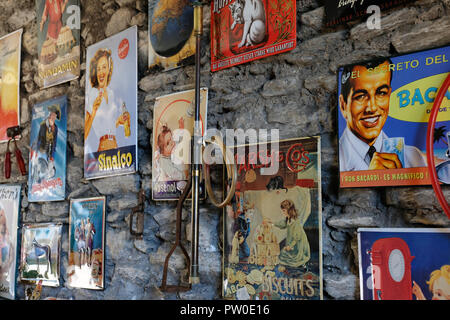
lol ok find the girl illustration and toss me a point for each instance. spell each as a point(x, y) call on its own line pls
point(102, 111)
point(166, 168)
point(53, 11)
point(296, 250)
point(439, 285)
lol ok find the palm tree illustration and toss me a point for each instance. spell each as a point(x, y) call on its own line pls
point(439, 135)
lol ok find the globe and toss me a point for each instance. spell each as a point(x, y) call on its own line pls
point(171, 26)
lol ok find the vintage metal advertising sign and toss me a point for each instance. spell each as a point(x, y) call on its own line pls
point(9, 220)
point(246, 30)
point(171, 33)
point(10, 46)
point(87, 243)
point(110, 132)
point(342, 11)
point(173, 118)
point(40, 255)
point(272, 229)
point(58, 23)
point(383, 113)
point(48, 140)
point(404, 264)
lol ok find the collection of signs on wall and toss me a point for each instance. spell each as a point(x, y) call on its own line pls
point(272, 228)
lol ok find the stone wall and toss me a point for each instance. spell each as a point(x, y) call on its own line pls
point(294, 92)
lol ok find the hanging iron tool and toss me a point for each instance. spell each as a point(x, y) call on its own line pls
point(197, 168)
point(196, 146)
point(12, 133)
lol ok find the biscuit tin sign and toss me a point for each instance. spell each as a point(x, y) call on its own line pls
point(246, 30)
point(384, 108)
point(272, 228)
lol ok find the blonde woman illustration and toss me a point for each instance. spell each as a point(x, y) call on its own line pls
point(102, 111)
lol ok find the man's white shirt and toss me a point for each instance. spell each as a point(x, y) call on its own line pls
point(353, 152)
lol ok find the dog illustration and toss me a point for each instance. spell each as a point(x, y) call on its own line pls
point(237, 9)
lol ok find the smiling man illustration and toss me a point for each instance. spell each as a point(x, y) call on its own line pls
point(364, 103)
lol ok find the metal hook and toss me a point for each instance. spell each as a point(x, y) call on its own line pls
point(137, 214)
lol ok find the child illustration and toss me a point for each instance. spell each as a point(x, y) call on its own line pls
point(242, 230)
point(296, 250)
point(439, 285)
point(166, 169)
point(5, 254)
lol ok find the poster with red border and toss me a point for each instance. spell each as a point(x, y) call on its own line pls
point(247, 30)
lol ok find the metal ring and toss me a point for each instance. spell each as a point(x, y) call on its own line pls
point(231, 172)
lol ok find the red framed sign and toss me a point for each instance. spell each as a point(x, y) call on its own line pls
point(246, 30)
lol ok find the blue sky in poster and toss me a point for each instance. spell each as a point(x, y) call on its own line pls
point(430, 249)
point(414, 133)
point(94, 213)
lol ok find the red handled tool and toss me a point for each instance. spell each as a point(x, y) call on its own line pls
point(12, 133)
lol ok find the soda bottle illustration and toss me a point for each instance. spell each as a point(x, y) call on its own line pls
point(124, 120)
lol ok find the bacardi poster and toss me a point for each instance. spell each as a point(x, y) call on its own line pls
point(404, 264)
point(48, 136)
point(383, 111)
point(110, 132)
point(10, 46)
point(58, 23)
point(272, 228)
point(173, 118)
point(246, 30)
point(9, 220)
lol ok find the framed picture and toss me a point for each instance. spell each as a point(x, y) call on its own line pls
point(383, 111)
point(247, 30)
point(110, 132)
point(87, 243)
point(9, 219)
point(40, 256)
point(48, 141)
point(172, 114)
point(10, 50)
point(404, 263)
point(171, 40)
point(273, 226)
point(58, 41)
